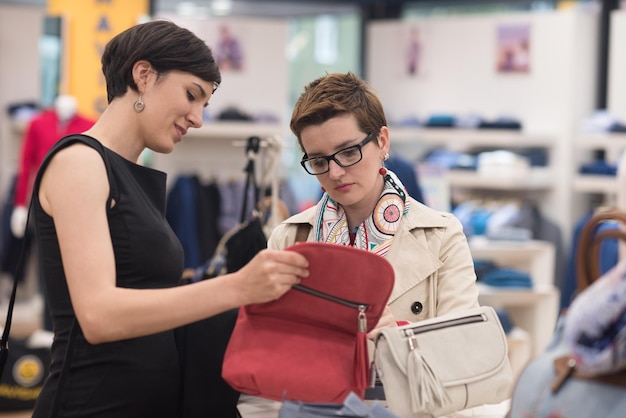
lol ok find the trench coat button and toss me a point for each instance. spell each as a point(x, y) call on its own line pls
point(417, 307)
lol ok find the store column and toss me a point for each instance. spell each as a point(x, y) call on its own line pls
point(87, 26)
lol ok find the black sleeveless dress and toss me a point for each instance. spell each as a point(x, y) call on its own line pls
point(138, 377)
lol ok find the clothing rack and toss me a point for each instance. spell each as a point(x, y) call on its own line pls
point(214, 153)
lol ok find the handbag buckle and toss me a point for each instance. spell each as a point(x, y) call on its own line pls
point(412, 342)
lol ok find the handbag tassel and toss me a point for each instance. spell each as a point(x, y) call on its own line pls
point(425, 388)
point(361, 357)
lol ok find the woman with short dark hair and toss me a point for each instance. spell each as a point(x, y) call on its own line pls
point(109, 260)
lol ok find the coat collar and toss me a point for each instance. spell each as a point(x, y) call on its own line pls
point(419, 216)
point(409, 251)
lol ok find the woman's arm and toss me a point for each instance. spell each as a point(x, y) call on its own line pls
point(74, 191)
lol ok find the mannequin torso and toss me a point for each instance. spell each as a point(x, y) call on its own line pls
point(42, 133)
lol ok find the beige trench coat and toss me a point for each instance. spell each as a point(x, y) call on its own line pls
point(434, 270)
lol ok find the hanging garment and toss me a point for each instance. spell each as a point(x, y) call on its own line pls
point(42, 133)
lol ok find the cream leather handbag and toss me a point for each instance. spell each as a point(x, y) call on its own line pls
point(444, 364)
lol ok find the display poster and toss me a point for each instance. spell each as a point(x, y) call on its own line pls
point(88, 26)
point(513, 48)
point(251, 55)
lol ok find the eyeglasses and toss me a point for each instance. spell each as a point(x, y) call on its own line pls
point(344, 158)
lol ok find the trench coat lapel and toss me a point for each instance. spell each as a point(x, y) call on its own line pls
point(409, 253)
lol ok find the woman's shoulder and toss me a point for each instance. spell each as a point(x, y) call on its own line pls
point(71, 154)
point(284, 234)
point(305, 216)
point(422, 216)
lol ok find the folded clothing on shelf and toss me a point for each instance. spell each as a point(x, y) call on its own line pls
point(451, 159)
point(502, 163)
point(501, 123)
point(507, 277)
point(441, 121)
point(472, 121)
point(598, 167)
point(490, 274)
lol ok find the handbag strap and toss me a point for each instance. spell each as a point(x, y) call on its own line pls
point(565, 367)
point(4, 341)
point(588, 249)
point(587, 271)
point(302, 232)
point(252, 151)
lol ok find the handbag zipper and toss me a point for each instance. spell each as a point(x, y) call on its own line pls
point(409, 332)
point(356, 305)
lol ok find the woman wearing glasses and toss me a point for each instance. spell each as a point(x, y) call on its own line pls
point(342, 130)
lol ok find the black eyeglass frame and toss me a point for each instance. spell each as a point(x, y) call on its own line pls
point(370, 137)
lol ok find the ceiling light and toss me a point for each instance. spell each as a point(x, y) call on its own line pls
point(221, 7)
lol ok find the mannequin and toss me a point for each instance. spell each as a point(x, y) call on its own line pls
point(44, 130)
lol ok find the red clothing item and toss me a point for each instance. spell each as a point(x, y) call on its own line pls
point(43, 132)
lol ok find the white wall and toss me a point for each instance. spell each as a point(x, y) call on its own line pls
point(459, 77)
point(459, 73)
point(262, 85)
point(19, 77)
point(616, 95)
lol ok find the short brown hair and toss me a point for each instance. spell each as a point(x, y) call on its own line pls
point(165, 45)
point(334, 95)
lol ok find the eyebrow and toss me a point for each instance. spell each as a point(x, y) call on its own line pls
point(340, 147)
point(202, 92)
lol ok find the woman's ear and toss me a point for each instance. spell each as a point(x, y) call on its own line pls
point(141, 72)
point(383, 140)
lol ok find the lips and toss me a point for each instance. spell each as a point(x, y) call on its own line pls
point(181, 131)
point(344, 187)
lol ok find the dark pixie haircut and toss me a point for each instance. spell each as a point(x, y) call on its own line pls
point(163, 44)
point(334, 95)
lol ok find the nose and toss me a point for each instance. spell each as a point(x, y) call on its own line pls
point(195, 117)
point(335, 170)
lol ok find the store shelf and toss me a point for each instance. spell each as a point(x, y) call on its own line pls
point(520, 350)
point(613, 145)
point(533, 179)
point(589, 183)
point(612, 142)
point(490, 295)
point(534, 310)
point(216, 151)
point(235, 130)
point(533, 256)
point(454, 138)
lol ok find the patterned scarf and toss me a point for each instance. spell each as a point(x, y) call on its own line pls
point(376, 232)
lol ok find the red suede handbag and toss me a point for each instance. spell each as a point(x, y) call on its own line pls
point(311, 344)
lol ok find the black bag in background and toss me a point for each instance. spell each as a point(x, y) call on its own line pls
point(24, 373)
point(244, 244)
point(203, 343)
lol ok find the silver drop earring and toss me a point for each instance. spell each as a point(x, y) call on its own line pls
point(386, 157)
point(139, 105)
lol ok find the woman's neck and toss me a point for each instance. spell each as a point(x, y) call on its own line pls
point(357, 214)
